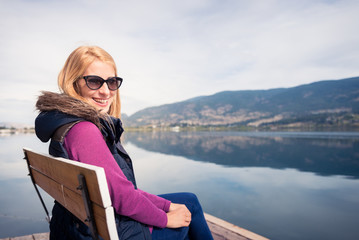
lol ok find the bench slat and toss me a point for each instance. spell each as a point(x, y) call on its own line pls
point(58, 177)
point(65, 171)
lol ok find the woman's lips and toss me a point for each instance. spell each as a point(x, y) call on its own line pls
point(101, 101)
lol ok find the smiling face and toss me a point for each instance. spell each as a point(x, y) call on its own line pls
point(101, 98)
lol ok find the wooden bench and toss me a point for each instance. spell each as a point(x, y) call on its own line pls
point(81, 188)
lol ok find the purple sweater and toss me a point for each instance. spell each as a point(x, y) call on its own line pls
point(85, 143)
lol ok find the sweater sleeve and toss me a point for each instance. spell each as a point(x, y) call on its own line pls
point(156, 200)
point(84, 143)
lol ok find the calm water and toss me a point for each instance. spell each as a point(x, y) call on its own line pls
point(279, 185)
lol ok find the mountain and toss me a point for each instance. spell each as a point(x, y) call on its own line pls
point(319, 103)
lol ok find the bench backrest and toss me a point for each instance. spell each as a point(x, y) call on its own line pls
point(61, 179)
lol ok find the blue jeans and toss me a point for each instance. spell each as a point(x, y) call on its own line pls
point(198, 228)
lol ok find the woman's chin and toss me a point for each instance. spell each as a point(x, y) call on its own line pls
point(103, 108)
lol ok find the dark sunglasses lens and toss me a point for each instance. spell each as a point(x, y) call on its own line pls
point(114, 83)
point(94, 82)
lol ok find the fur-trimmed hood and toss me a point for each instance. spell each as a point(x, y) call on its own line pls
point(50, 101)
point(57, 109)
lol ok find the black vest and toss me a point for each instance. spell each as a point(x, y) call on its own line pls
point(65, 225)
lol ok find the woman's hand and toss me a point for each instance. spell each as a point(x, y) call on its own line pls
point(178, 216)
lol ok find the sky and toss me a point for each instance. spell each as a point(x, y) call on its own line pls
point(169, 51)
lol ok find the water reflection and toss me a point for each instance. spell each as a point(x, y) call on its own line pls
point(276, 203)
point(270, 183)
point(20, 208)
point(320, 153)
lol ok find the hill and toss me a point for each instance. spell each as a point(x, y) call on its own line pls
point(323, 103)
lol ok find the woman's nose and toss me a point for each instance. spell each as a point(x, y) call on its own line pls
point(104, 89)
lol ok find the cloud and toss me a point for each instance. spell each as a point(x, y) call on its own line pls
point(169, 51)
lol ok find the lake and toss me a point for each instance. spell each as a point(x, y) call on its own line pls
point(282, 185)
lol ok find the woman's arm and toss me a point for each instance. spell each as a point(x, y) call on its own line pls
point(84, 143)
point(156, 200)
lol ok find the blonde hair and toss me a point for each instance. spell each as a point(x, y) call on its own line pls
point(75, 66)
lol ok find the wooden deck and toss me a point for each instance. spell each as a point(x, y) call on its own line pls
point(36, 236)
point(221, 230)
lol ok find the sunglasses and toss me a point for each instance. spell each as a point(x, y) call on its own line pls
point(94, 82)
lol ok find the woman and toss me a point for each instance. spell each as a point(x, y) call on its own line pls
point(83, 125)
